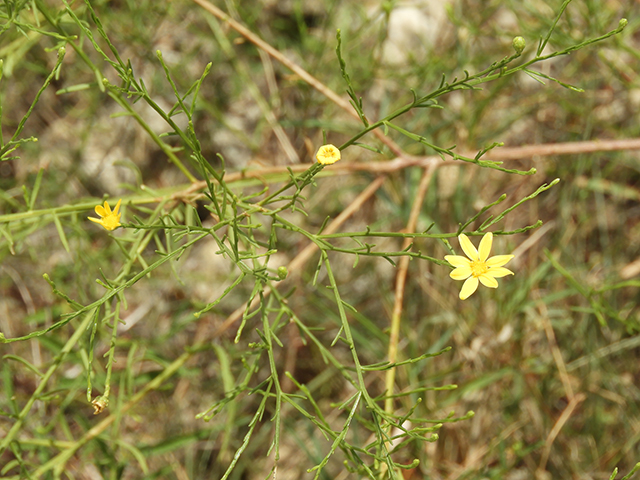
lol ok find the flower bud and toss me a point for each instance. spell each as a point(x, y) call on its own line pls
point(518, 44)
point(282, 272)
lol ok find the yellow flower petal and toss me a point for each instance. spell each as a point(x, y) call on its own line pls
point(115, 210)
point(488, 281)
point(468, 247)
point(461, 273)
point(328, 154)
point(498, 260)
point(457, 260)
point(107, 208)
point(95, 220)
point(499, 272)
point(485, 246)
point(468, 287)
point(100, 211)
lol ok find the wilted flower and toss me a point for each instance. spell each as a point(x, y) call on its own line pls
point(99, 404)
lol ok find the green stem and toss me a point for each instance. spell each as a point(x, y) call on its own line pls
point(80, 330)
point(58, 462)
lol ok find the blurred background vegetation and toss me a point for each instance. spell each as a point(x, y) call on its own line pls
point(549, 362)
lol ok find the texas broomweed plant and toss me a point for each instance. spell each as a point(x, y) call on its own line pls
point(109, 219)
point(257, 342)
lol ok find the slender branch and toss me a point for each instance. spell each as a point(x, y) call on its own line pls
point(295, 266)
point(58, 462)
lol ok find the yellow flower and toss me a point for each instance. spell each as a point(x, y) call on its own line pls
point(480, 267)
point(328, 154)
point(108, 219)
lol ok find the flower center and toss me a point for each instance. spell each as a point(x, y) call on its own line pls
point(478, 268)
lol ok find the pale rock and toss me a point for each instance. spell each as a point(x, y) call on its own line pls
point(413, 31)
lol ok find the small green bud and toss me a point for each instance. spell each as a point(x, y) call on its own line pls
point(518, 44)
point(282, 272)
point(622, 23)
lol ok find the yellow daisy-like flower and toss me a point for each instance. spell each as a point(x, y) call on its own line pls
point(108, 219)
point(328, 154)
point(478, 267)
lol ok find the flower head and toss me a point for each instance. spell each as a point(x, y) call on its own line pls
point(328, 154)
point(108, 219)
point(478, 267)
